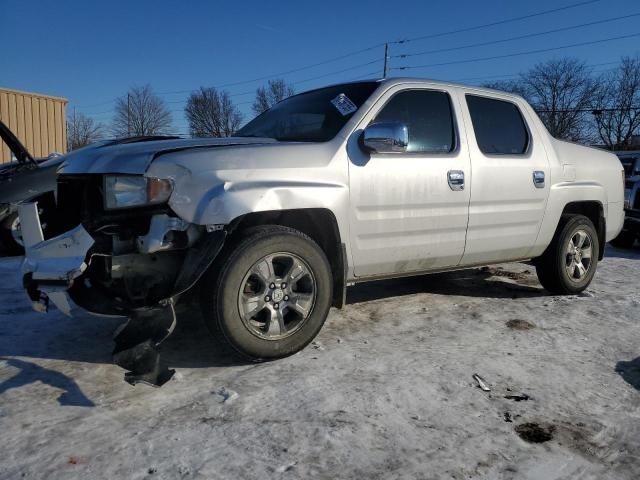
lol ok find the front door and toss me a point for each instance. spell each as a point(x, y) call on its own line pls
point(404, 215)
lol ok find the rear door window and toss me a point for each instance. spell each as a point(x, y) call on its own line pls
point(498, 126)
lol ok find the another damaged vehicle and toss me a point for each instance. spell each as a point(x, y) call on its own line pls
point(344, 184)
point(24, 178)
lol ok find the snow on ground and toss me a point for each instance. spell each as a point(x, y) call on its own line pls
point(385, 392)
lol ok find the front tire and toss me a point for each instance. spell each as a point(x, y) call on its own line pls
point(568, 265)
point(269, 294)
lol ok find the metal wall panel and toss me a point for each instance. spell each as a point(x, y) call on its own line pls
point(39, 121)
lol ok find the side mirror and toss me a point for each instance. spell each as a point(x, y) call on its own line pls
point(386, 137)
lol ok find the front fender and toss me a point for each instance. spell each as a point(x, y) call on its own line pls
point(224, 202)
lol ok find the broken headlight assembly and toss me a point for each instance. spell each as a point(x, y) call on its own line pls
point(127, 191)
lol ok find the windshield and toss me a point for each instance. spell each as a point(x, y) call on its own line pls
point(315, 116)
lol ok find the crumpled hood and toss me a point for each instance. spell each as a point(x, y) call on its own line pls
point(135, 158)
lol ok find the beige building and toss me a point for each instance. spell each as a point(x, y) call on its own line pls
point(39, 121)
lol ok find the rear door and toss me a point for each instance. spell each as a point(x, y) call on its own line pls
point(404, 216)
point(510, 185)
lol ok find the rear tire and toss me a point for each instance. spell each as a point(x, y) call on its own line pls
point(625, 239)
point(7, 236)
point(245, 304)
point(570, 261)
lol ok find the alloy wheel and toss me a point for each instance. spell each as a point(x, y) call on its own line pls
point(277, 296)
point(578, 257)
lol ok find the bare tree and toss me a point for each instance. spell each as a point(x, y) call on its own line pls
point(211, 113)
point(617, 106)
point(82, 131)
point(562, 91)
point(267, 97)
point(141, 112)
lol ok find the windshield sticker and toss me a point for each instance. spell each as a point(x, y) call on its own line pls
point(344, 104)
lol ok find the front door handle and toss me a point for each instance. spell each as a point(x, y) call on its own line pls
point(538, 178)
point(456, 180)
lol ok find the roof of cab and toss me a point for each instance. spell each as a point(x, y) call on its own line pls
point(427, 81)
point(443, 83)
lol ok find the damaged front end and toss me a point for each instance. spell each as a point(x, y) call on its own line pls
point(131, 262)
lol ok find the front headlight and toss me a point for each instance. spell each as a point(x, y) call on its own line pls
point(126, 191)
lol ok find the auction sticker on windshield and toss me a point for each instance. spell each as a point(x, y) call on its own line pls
point(344, 104)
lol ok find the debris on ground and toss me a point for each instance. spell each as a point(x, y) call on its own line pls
point(481, 383)
point(286, 468)
point(226, 396)
point(518, 324)
point(518, 397)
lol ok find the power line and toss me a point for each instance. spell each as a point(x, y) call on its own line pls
point(367, 49)
point(510, 55)
point(306, 80)
point(513, 75)
point(499, 22)
point(519, 37)
point(265, 77)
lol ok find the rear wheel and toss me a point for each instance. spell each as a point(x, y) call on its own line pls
point(625, 239)
point(569, 263)
point(270, 294)
point(11, 236)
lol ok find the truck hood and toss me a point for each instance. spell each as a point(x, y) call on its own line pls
point(134, 157)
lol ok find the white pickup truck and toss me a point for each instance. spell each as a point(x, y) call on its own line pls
point(339, 185)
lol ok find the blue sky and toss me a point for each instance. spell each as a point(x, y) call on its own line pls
point(91, 52)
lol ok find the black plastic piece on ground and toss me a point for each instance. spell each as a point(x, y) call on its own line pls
point(137, 343)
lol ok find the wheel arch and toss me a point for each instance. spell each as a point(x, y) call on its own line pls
point(566, 198)
point(320, 224)
point(594, 211)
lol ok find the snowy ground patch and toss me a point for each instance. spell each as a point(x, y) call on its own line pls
point(386, 391)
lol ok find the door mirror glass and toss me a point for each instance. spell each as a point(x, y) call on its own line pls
point(391, 137)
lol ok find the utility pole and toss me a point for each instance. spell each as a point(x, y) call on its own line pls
point(386, 57)
point(128, 114)
point(74, 129)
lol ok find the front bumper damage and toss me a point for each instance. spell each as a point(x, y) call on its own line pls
point(54, 266)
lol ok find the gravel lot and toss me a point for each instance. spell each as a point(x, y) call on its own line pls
point(386, 391)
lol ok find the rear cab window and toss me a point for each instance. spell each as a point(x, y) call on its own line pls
point(498, 125)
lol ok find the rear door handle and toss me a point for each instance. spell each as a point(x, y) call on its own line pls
point(538, 178)
point(456, 180)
